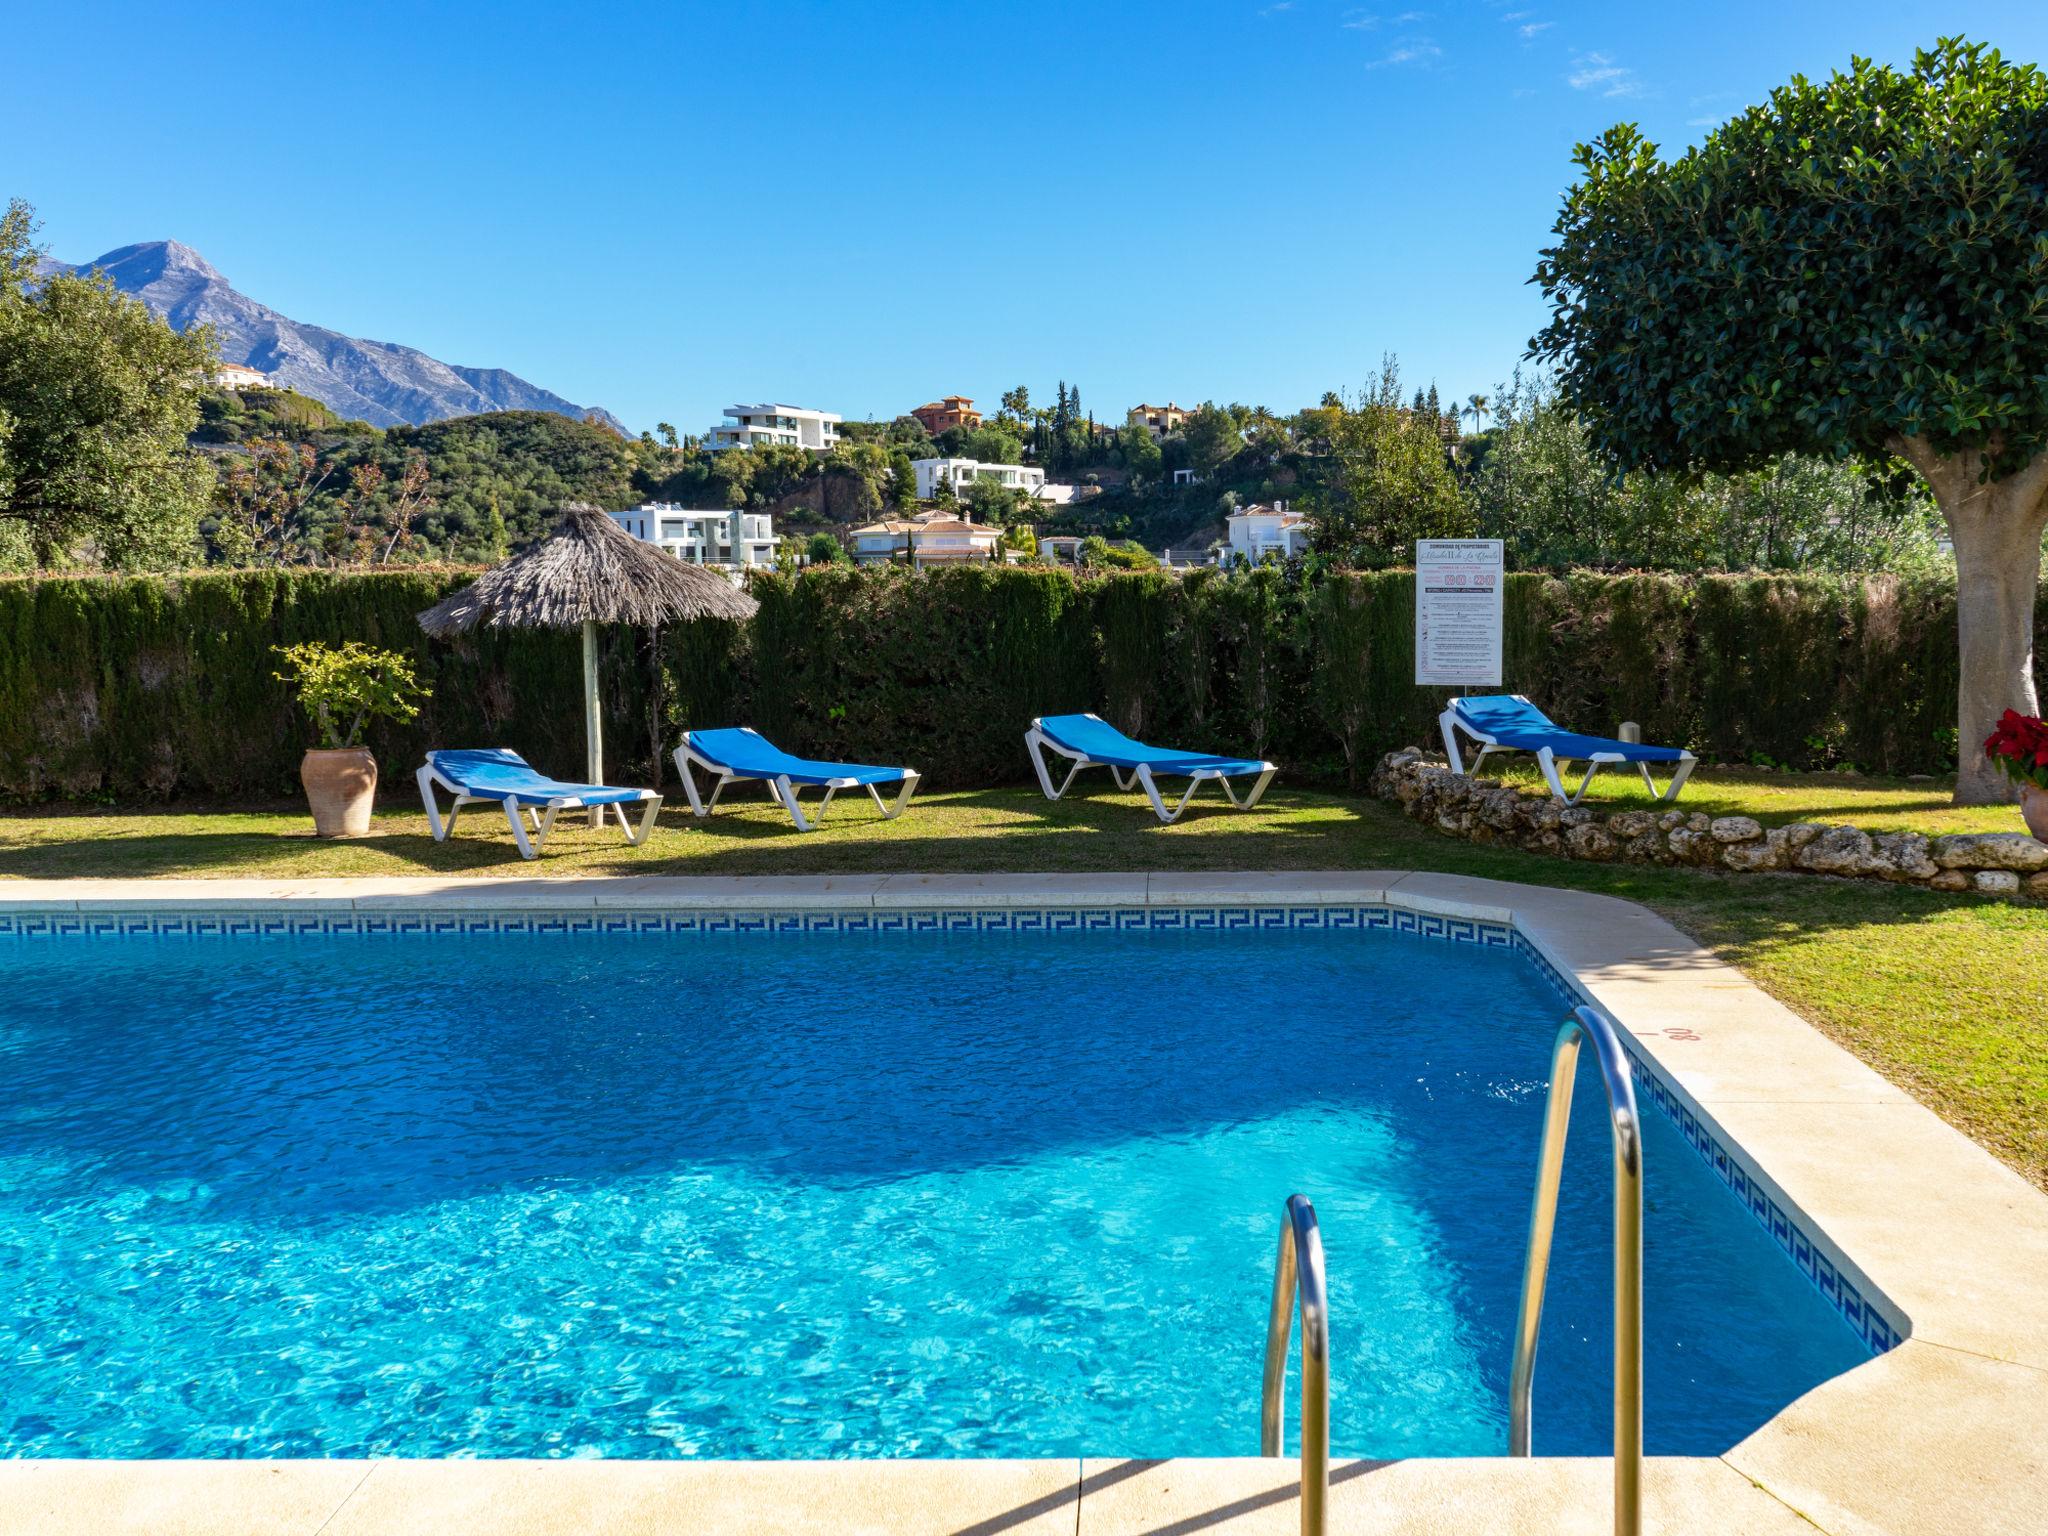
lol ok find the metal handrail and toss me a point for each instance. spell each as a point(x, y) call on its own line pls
point(1299, 1270)
point(1591, 1023)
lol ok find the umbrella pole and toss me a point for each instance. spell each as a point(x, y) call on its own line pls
point(593, 726)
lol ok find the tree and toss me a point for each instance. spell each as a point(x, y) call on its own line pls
point(100, 396)
point(1476, 408)
point(902, 480)
point(1556, 502)
point(996, 505)
point(1142, 455)
point(1853, 267)
point(497, 542)
point(992, 445)
point(1211, 436)
point(824, 549)
point(1017, 402)
point(1127, 556)
point(1390, 485)
point(263, 501)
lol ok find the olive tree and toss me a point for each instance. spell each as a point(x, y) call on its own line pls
point(1857, 266)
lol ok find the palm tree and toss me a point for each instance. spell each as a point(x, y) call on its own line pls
point(1475, 407)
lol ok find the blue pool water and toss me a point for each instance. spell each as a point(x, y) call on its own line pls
point(829, 1195)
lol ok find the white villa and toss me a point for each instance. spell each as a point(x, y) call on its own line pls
point(240, 376)
point(1061, 548)
point(792, 426)
point(703, 537)
point(961, 473)
point(932, 538)
point(1260, 530)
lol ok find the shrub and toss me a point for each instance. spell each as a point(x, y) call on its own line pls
point(136, 688)
point(349, 683)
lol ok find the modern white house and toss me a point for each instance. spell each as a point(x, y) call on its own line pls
point(791, 426)
point(933, 538)
point(961, 473)
point(1260, 530)
point(1061, 548)
point(704, 537)
point(1063, 495)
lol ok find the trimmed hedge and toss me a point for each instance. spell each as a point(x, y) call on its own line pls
point(147, 688)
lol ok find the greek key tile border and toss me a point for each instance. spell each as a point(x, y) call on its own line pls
point(277, 923)
point(1877, 1331)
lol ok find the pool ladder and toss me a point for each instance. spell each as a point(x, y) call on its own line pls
point(1299, 1271)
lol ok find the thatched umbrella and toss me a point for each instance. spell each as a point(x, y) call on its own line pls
point(588, 572)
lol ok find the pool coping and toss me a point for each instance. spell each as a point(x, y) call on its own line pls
point(1951, 1246)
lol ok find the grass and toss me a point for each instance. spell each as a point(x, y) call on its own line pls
point(1943, 995)
point(1777, 799)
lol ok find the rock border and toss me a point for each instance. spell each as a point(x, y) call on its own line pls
point(2008, 864)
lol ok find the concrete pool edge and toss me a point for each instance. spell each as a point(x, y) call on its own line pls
point(1933, 1434)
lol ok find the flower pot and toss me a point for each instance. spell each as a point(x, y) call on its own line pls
point(2034, 810)
point(340, 785)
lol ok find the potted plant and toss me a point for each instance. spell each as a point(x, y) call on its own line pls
point(2019, 746)
point(354, 684)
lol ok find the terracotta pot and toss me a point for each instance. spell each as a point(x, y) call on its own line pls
point(2034, 809)
point(340, 784)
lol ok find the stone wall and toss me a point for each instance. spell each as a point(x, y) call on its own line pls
point(1487, 811)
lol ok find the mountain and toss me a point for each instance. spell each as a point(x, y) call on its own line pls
point(375, 381)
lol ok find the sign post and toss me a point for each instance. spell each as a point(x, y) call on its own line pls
point(1458, 613)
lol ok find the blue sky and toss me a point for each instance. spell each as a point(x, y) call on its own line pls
point(666, 208)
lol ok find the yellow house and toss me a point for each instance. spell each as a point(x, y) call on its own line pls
point(1157, 419)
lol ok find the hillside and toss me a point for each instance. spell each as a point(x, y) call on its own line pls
point(380, 382)
point(493, 481)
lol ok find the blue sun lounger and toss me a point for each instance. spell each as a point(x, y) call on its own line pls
point(745, 754)
point(1093, 742)
point(1507, 722)
point(502, 775)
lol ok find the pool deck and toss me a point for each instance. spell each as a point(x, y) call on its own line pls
point(1947, 1432)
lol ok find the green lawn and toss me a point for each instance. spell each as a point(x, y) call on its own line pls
point(1775, 799)
point(1944, 995)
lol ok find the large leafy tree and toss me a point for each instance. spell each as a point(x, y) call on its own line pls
point(99, 396)
point(1857, 266)
point(1212, 436)
point(1389, 481)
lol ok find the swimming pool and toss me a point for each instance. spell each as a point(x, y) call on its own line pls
point(825, 1193)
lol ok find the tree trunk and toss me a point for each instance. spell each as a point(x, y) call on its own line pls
point(1996, 527)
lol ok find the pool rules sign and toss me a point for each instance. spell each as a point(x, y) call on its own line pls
point(1458, 592)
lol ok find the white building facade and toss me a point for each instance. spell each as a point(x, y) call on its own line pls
point(930, 539)
point(1258, 531)
point(788, 426)
point(961, 473)
point(704, 537)
point(240, 376)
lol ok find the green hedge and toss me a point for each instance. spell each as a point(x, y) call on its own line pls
point(147, 688)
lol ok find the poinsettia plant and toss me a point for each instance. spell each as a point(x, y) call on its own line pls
point(2019, 746)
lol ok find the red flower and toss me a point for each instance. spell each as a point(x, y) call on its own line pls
point(2019, 745)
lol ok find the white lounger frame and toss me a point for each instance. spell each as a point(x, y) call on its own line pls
point(1036, 742)
point(781, 791)
point(429, 776)
point(1450, 722)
